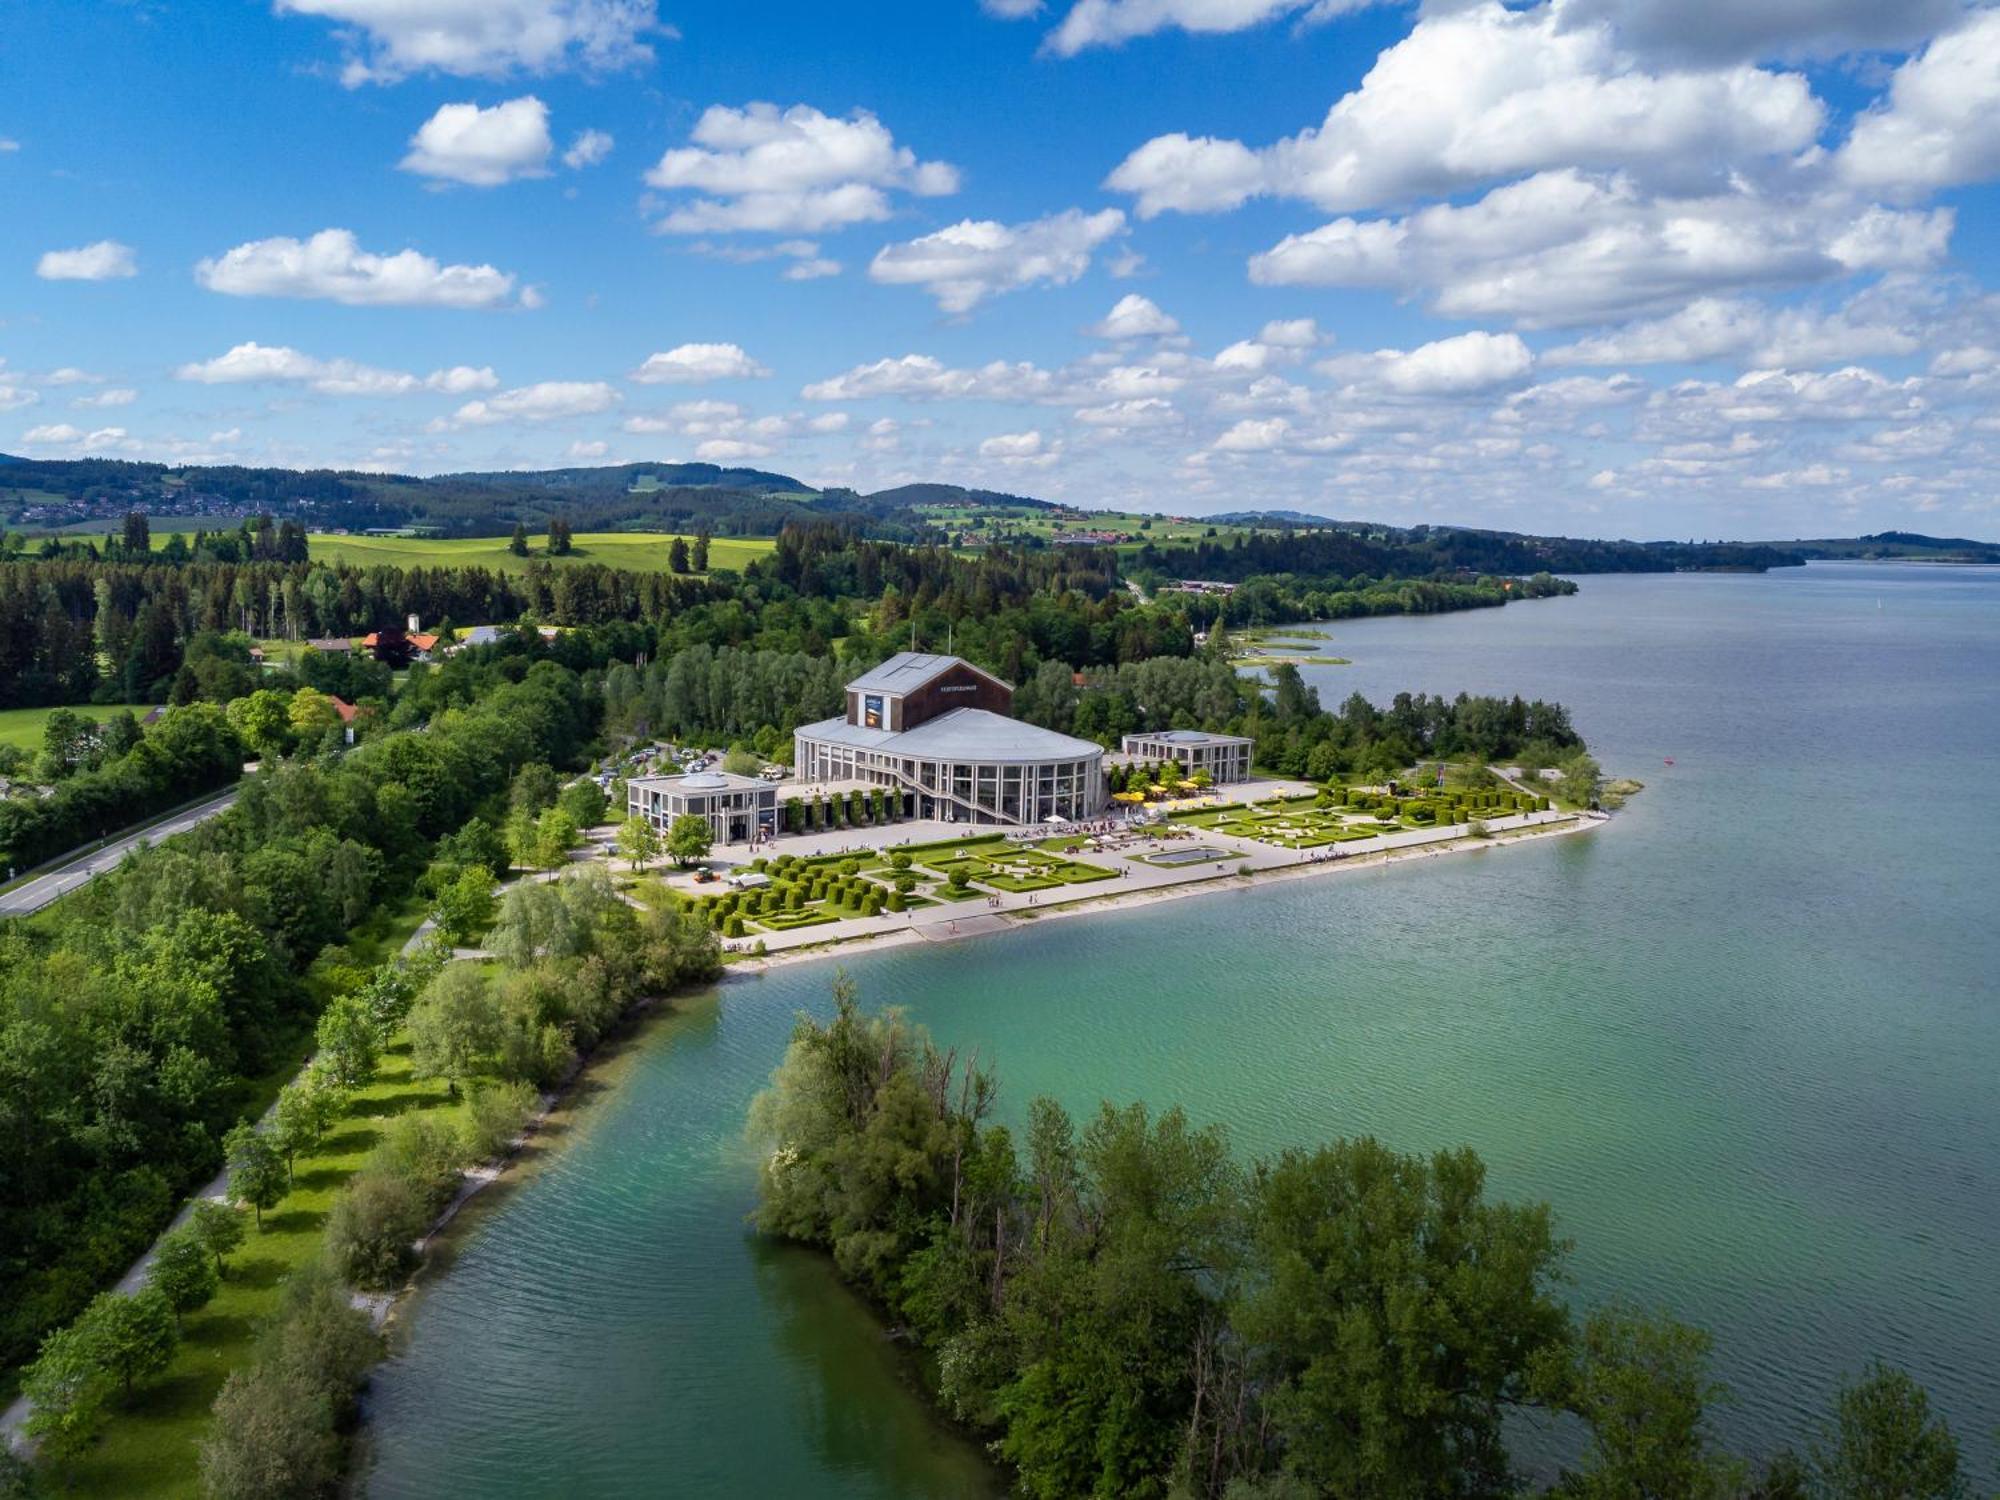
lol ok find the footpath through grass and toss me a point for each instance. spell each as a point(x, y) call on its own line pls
point(150, 1447)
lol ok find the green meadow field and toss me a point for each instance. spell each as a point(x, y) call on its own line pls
point(634, 551)
point(23, 726)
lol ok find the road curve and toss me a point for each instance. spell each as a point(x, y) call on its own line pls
point(31, 897)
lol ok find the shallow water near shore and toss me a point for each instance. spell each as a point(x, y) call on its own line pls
point(1745, 1039)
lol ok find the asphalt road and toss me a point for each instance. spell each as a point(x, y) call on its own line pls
point(43, 889)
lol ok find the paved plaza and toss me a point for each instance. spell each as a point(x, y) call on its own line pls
point(1128, 851)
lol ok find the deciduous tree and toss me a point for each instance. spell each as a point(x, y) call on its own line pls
point(1884, 1441)
point(689, 839)
point(256, 1174)
point(454, 1026)
point(307, 1108)
point(1642, 1387)
point(638, 841)
point(134, 1336)
point(184, 1271)
point(218, 1228)
point(346, 1041)
point(67, 1387)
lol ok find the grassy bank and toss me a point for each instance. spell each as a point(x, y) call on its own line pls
point(149, 1448)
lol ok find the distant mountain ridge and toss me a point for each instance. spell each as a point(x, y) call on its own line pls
point(666, 476)
point(50, 493)
point(909, 495)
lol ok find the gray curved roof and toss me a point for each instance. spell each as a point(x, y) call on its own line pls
point(973, 734)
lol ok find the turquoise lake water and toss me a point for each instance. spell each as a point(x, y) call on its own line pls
point(1746, 1039)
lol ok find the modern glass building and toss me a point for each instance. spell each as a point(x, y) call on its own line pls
point(942, 732)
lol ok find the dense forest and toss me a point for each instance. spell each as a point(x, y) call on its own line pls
point(1442, 552)
point(80, 626)
point(759, 696)
point(1122, 1308)
point(137, 1015)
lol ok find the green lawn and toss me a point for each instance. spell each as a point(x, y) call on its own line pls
point(149, 1448)
point(23, 726)
point(634, 551)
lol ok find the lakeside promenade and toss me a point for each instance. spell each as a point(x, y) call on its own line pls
point(1127, 852)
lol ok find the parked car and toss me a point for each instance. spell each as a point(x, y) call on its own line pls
point(703, 875)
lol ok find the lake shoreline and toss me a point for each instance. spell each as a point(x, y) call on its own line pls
point(987, 924)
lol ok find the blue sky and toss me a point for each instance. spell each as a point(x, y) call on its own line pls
point(1626, 267)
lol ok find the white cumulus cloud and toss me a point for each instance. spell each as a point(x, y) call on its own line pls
point(391, 39)
point(921, 376)
point(483, 147)
point(729, 450)
point(690, 364)
point(106, 260)
point(1474, 361)
point(257, 363)
point(1566, 247)
point(964, 264)
point(1940, 124)
point(789, 171)
point(332, 265)
point(1730, 31)
point(1106, 23)
point(1527, 93)
point(588, 149)
point(1012, 445)
point(545, 401)
point(1135, 317)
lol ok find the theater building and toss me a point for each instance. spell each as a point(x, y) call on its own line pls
point(941, 731)
point(1226, 757)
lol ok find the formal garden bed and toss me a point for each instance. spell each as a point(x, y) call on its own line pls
point(1340, 815)
point(810, 892)
point(1001, 866)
